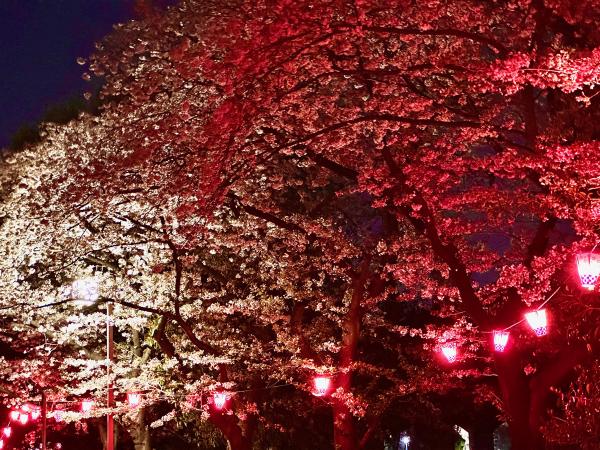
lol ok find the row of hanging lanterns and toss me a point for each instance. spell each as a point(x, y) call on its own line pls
point(588, 268)
point(321, 387)
point(20, 415)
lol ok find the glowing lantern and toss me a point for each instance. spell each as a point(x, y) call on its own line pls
point(449, 351)
point(7, 431)
point(14, 415)
point(219, 399)
point(588, 266)
point(321, 386)
point(134, 399)
point(35, 414)
point(538, 321)
point(500, 340)
point(23, 418)
point(87, 405)
point(1, 443)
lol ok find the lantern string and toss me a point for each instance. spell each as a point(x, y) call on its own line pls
point(537, 309)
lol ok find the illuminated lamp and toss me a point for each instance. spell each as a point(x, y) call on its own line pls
point(449, 351)
point(322, 384)
point(500, 340)
point(219, 399)
point(14, 415)
point(7, 431)
point(134, 399)
point(23, 418)
point(87, 406)
point(538, 321)
point(588, 266)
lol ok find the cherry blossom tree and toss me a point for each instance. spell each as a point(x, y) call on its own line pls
point(253, 294)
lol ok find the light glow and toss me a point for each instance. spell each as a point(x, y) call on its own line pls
point(85, 291)
point(7, 431)
point(406, 440)
point(538, 321)
point(449, 351)
point(87, 405)
point(588, 266)
point(322, 384)
point(134, 399)
point(23, 418)
point(14, 415)
point(219, 399)
point(35, 414)
point(500, 340)
point(1, 443)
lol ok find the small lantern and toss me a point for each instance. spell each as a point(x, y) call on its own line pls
point(538, 321)
point(7, 431)
point(23, 418)
point(588, 266)
point(219, 399)
point(35, 414)
point(134, 399)
point(14, 415)
point(500, 340)
point(87, 406)
point(1, 443)
point(449, 351)
point(322, 384)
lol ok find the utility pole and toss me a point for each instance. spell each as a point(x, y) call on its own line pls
point(44, 419)
point(110, 396)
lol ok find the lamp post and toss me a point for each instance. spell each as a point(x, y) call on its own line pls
point(405, 440)
point(110, 396)
point(86, 292)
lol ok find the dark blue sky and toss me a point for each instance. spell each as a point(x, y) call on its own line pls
point(39, 43)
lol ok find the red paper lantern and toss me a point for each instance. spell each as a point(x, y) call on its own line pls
point(588, 266)
point(7, 431)
point(87, 406)
point(1, 443)
point(134, 399)
point(322, 384)
point(23, 418)
point(449, 351)
point(538, 321)
point(500, 340)
point(35, 414)
point(219, 399)
point(14, 415)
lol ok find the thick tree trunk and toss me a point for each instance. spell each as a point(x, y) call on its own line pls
point(140, 433)
point(523, 420)
point(237, 439)
point(344, 433)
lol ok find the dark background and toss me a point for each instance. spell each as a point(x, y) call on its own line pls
point(40, 41)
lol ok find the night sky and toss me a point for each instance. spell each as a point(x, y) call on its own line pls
point(40, 41)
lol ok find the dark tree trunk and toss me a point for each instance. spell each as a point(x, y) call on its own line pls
point(344, 432)
point(140, 433)
point(523, 425)
point(237, 439)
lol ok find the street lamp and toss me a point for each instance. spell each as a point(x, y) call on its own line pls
point(86, 292)
point(405, 440)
